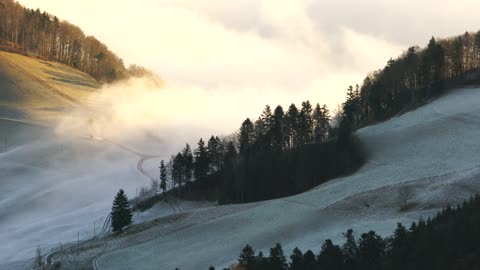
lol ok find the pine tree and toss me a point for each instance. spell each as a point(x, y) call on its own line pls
point(177, 170)
point(296, 260)
point(277, 259)
point(305, 123)
point(247, 135)
point(267, 120)
point(350, 249)
point(309, 260)
point(278, 129)
point(371, 248)
point(201, 161)
point(318, 120)
point(291, 126)
point(163, 176)
point(331, 257)
point(187, 163)
point(121, 213)
point(247, 257)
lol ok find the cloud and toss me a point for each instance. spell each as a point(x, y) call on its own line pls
point(222, 61)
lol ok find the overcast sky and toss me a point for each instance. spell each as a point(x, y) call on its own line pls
point(269, 51)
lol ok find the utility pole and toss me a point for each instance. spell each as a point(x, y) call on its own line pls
point(78, 243)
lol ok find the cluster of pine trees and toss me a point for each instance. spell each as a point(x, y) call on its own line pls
point(279, 154)
point(40, 34)
point(414, 77)
point(447, 241)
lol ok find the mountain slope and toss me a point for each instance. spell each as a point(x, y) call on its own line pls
point(40, 90)
point(434, 149)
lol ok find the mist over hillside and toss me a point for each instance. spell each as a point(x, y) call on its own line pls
point(271, 123)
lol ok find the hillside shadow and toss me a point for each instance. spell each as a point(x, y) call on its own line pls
point(64, 74)
point(70, 79)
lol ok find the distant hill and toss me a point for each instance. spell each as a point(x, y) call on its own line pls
point(42, 35)
point(39, 90)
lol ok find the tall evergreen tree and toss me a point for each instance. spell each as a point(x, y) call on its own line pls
point(350, 250)
point(296, 260)
point(292, 126)
point(178, 174)
point(246, 137)
point(317, 118)
point(277, 260)
point(215, 154)
point(331, 257)
point(121, 213)
point(247, 257)
point(278, 129)
point(305, 129)
point(371, 248)
point(309, 260)
point(163, 176)
point(187, 163)
point(201, 161)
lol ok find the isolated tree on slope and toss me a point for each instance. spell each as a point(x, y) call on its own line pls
point(121, 213)
point(163, 176)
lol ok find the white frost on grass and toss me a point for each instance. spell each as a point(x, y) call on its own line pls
point(54, 188)
point(435, 146)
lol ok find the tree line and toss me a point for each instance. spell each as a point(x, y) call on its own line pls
point(279, 154)
point(43, 35)
point(413, 78)
point(447, 241)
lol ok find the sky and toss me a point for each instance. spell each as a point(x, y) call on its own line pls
point(228, 59)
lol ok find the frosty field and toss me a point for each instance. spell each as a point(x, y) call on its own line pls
point(56, 187)
point(434, 148)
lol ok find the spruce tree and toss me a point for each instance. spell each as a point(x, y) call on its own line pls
point(187, 163)
point(247, 257)
point(350, 249)
point(247, 135)
point(277, 259)
point(291, 126)
point(305, 123)
point(317, 122)
point(121, 213)
point(331, 257)
point(296, 260)
point(163, 176)
point(309, 260)
point(177, 171)
point(278, 129)
point(201, 161)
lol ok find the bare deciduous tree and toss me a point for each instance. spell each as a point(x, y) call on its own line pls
point(404, 195)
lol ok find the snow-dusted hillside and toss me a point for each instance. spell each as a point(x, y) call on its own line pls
point(435, 149)
point(54, 186)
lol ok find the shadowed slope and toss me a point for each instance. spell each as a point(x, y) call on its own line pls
point(39, 90)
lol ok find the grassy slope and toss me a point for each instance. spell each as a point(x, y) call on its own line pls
point(39, 90)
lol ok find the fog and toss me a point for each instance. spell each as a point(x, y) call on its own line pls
point(222, 61)
point(266, 47)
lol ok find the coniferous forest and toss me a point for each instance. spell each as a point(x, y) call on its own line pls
point(447, 241)
point(285, 152)
point(280, 154)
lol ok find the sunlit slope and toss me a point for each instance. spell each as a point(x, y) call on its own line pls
point(435, 149)
point(40, 90)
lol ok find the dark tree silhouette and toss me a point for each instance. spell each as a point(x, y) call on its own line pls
point(163, 176)
point(121, 212)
